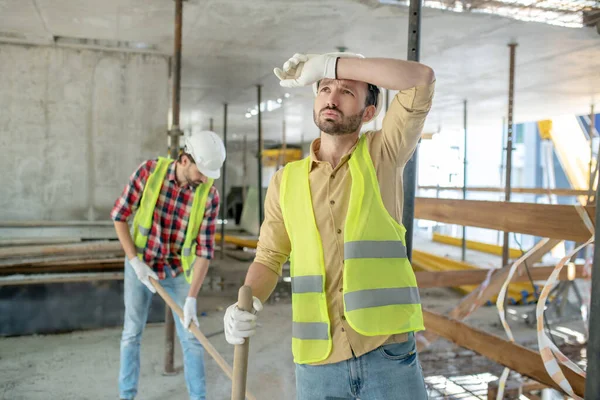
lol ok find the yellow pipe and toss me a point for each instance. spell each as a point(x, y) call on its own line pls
point(478, 246)
point(238, 241)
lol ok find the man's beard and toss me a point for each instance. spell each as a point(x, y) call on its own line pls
point(344, 126)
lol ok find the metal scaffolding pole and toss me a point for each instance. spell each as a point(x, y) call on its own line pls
point(224, 181)
point(174, 133)
point(387, 99)
point(592, 384)
point(410, 171)
point(509, 142)
point(591, 136)
point(259, 156)
point(464, 189)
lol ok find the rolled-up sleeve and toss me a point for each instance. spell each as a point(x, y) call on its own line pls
point(206, 236)
point(130, 198)
point(404, 121)
point(273, 243)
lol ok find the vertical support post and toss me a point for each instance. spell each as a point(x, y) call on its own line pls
point(174, 133)
point(509, 142)
point(282, 154)
point(592, 385)
point(211, 125)
point(259, 155)
point(224, 183)
point(410, 170)
point(464, 191)
point(387, 99)
point(245, 168)
point(591, 135)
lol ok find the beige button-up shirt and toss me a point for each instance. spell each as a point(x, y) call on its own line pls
point(390, 149)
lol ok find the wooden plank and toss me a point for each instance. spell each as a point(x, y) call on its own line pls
point(514, 356)
point(36, 241)
point(539, 191)
point(61, 250)
point(477, 298)
point(428, 279)
point(36, 224)
point(544, 220)
point(16, 280)
point(475, 245)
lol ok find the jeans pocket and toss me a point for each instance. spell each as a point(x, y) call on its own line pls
point(399, 351)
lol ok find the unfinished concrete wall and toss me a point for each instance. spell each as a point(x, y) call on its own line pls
point(74, 124)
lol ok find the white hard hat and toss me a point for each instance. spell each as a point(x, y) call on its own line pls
point(208, 151)
point(379, 101)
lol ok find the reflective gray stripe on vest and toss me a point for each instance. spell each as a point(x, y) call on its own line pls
point(381, 297)
point(140, 250)
point(143, 231)
point(187, 251)
point(307, 284)
point(188, 272)
point(374, 249)
point(310, 330)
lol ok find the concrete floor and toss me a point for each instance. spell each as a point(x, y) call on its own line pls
point(84, 364)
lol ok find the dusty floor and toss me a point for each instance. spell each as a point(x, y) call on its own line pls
point(84, 365)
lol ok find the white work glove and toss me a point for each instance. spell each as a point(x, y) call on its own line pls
point(189, 313)
point(143, 273)
point(240, 324)
point(306, 69)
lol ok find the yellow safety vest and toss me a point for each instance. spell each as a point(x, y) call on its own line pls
point(379, 286)
point(145, 213)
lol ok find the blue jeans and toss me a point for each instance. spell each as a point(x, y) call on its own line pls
point(137, 303)
point(390, 372)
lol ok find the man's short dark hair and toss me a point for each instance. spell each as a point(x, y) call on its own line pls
point(372, 95)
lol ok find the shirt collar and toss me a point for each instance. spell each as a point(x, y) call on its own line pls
point(314, 150)
point(171, 173)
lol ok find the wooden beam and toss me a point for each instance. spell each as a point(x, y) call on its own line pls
point(544, 220)
point(428, 279)
point(479, 297)
point(61, 250)
point(540, 191)
point(514, 356)
point(16, 280)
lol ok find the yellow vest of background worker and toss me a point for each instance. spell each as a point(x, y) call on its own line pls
point(143, 218)
point(379, 286)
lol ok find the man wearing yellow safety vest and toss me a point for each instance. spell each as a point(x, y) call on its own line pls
point(337, 216)
point(171, 240)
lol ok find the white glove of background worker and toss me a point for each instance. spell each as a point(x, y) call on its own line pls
point(240, 324)
point(143, 273)
point(189, 313)
point(306, 69)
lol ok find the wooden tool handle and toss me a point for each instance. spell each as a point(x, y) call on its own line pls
point(240, 354)
point(199, 335)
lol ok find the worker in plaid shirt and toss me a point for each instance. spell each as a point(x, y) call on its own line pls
point(171, 240)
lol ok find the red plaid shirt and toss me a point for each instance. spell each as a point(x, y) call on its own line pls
point(170, 221)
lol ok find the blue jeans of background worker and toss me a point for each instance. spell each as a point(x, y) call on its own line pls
point(137, 303)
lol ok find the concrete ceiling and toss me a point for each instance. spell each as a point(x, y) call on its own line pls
point(230, 46)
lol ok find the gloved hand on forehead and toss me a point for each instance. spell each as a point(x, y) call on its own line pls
point(306, 69)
